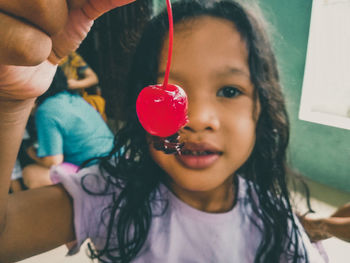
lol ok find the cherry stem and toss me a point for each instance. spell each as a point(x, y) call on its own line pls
point(170, 51)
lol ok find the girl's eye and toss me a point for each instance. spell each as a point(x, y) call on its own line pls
point(228, 92)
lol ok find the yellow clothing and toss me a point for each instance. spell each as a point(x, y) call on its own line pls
point(73, 66)
point(97, 102)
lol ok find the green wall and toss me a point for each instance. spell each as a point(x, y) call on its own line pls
point(321, 153)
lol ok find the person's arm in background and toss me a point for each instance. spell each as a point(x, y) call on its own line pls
point(343, 211)
point(48, 150)
point(337, 225)
point(46, 161)
point(89, 79)
point(37, 220)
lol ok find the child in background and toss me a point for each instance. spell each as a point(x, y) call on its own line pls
point(83, 79)
point(68, 130)
point(79, 75)
point(224, 199)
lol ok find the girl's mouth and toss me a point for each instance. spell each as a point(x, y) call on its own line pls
point(198, 156)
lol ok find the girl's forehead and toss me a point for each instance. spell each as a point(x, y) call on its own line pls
point(204, 22)
point(209, 42)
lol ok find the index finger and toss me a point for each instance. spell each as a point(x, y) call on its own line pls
point(95, 8)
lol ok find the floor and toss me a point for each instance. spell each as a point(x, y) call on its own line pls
point(58, 256)
point(324, 201)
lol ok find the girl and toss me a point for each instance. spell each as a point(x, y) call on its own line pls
point(224, 198)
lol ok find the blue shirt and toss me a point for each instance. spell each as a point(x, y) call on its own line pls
point(68, 125)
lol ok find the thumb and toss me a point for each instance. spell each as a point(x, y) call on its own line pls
point(95, 8)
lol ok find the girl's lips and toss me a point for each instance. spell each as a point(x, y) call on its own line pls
point(198, 155)
point(198, 161)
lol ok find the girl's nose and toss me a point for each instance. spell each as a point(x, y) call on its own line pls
point(202, 117)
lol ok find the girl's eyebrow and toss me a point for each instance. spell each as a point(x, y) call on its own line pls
point(231, 70)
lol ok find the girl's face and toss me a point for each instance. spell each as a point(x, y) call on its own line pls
point(210, 62)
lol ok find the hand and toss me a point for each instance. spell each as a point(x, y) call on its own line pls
point(21, 83)
point(315, 228)
point(73, 84)
point(21, 43)
point(25, 35)
point(31, 152)
point(79, 23)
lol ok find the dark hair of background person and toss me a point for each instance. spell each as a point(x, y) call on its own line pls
point(58, 84)
point(109, 47)
point(138, 176)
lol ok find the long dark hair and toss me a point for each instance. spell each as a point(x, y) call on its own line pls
point(138, 176)
point(58, 84)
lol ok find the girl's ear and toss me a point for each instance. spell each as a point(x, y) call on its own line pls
point(256, 109)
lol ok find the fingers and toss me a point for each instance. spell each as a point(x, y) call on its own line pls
point(22, 44)
point(48, 15)
point(71, 36)
point(73, 4)
point(79, 24)
point(95, 8)
point(22, 83)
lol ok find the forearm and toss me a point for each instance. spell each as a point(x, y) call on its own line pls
point(39, 220)
point(83, 83)
point(18, 88)
point(47, 161)
point(40, 161)
point(338, 227)
point(13, 118)
point(343, 211)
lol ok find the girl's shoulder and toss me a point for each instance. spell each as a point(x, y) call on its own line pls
point(92, 180)
point(91, 197)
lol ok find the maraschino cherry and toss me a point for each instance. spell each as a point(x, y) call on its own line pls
point(162, 108)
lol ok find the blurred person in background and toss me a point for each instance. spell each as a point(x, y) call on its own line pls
point(68, 130)
point(82, 78)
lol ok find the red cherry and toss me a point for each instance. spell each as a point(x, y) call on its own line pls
point(162, 111)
